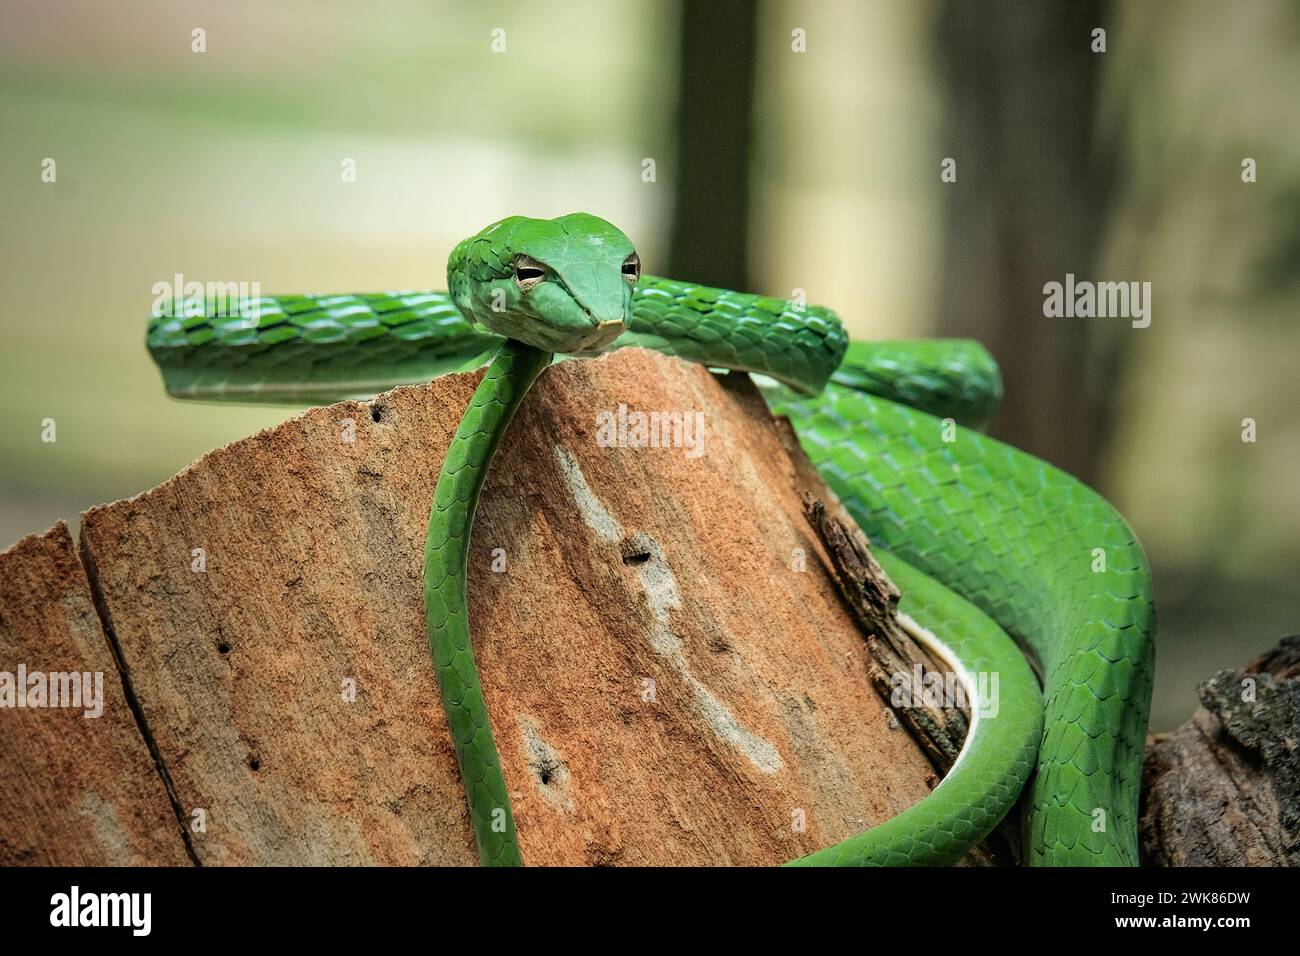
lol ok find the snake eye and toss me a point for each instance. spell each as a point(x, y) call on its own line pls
point(632, 268)
point(528, 273)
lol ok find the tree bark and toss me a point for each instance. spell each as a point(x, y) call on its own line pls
point(1224, 789)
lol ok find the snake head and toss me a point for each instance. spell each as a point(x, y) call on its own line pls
point(562, 285)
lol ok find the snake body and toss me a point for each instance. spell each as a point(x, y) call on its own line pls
point(989, 545)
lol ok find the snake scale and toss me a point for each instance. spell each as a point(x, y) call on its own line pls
point(993, 549)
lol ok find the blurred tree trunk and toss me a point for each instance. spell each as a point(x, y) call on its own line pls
point(1029, 205)
point(715, 119)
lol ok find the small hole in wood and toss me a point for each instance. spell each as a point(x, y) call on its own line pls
point(223, 648)
point(639, 557)
point(376, 413)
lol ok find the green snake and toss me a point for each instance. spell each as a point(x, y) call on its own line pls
point(992, 549)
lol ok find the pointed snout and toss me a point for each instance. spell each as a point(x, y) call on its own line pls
point(607, 323)
point(603, 332)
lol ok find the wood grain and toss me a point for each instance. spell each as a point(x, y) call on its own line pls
point(74, 790)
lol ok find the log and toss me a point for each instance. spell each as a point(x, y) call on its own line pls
point(681, 654)
point(671, 674)
point(1224, 789)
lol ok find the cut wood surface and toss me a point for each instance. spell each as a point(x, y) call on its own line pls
point(671, 675)
point(77, 783)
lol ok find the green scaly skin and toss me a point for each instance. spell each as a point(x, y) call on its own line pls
point(446, 550)
point(891, 426)
point(1017, 538)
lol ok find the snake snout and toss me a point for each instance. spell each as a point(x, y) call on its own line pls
point(604, 318)
point(602, 333)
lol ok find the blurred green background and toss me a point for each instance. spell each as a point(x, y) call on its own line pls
point(774, 170)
